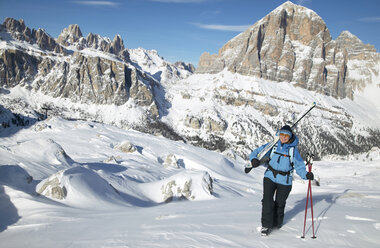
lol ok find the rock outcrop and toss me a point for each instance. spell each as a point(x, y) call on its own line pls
point(293, 44)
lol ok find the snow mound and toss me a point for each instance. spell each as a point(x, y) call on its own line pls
point(46, 149)
point(15, 177)
point(190, 185)
point(79, 187)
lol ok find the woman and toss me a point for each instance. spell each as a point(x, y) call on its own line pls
point(284, 157)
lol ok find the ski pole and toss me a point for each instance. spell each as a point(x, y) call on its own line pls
point(307, 201)
point(311, 197)
point(309, 161)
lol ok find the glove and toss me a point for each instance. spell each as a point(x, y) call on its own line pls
point(255, 162)
point(310, 176)
point(247, 169)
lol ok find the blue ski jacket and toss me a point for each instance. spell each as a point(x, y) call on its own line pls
point(283, 163)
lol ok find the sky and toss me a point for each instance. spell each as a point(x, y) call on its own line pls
point(181, 30)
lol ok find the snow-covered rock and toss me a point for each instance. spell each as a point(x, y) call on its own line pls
point(126, 147)
point(190, 185)
point(171, 161)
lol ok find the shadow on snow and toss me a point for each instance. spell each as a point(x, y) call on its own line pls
point(330, 199)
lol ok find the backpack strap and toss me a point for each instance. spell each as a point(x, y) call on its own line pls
point(291, 155)
point(273, 151)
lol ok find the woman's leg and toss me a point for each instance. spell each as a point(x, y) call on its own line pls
point(268, 203)
point(282, 194)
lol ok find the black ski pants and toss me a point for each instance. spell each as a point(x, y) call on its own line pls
point(273, 203)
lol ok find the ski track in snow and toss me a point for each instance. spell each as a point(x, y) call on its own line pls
point(345, 205)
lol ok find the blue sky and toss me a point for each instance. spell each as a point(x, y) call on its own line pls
point(181, 30)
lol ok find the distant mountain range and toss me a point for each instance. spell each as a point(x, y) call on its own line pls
point(233, 102)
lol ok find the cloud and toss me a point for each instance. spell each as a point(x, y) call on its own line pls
point(303, 2)
point(235, 28)
point(178, 1)
point(370, 19)
point(210, 14)
point(97, 3)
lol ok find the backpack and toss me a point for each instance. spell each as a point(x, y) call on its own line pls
point(290, 154)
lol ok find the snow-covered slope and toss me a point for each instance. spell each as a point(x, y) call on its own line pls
point(101, 186)
point(231, 111)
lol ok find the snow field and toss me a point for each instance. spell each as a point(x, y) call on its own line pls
point(116, 198)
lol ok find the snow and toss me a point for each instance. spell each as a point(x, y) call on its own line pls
point(289, 4)
point(110, 114)
point(199, 96)
point(115, 198)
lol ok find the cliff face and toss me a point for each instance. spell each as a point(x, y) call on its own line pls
point(88, 69)
point(293, 44)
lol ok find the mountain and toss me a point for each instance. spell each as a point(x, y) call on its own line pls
point(293, 44)
point(240, 96)
point(233, 102)
point(88, 69)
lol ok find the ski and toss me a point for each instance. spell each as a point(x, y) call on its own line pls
point(277, 137)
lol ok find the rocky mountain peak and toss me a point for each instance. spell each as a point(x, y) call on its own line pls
point(293, 44)
point(97, 42)
point(70, 35)
point(18, 30)
point(352, 42)
point(300, 23)
point(13, 25)
point(185, 66)
point(289, 6)
point(117, 45)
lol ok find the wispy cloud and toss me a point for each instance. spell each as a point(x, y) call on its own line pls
point(97, 3)
point(235, 28)
point(178, 1)
point(210, 14)
point(370, 19)
point(303, 2)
